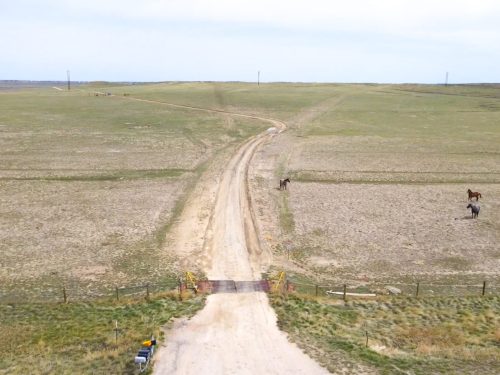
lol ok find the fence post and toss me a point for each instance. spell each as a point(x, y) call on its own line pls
point(147, 291)
point(65, 297)
point(116, 332)
point(345, 293)
point(317, 290)
point(117, 296)
point(418, 289)
point(484, 288)
point(366, 345)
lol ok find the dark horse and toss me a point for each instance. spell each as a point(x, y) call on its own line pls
point(473, 194)
point(474, 210)
point(283, 183)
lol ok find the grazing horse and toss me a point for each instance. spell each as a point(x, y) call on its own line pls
point(283, 183)
point(473, 194)
point(474, 210)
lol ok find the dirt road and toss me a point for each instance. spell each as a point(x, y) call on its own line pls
point(234, 333)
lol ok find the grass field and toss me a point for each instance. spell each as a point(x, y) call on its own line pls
point(69, 160)
point(281, 101)
point(378, 197)
point(378, 135)
point(405, 336)
point(81, 337)
point(90, 184)
point(379, 178)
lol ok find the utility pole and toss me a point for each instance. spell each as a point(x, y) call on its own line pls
point(69, 85)
point(446, 81)
point(258, 78)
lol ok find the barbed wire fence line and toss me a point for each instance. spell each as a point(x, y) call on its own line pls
point(417, 289)
point(74, 293)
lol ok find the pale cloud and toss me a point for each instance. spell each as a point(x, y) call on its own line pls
point(357, 40)
point(475, 22)
point(322, 14)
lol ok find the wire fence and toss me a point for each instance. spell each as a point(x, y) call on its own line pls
point(75, 293)
point(417, 289)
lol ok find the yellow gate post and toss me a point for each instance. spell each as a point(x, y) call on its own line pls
point(281, 281)
point(191, 279)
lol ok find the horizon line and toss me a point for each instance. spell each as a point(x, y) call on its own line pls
point(247, 82)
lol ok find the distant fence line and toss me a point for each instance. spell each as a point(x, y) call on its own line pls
point(65, 293)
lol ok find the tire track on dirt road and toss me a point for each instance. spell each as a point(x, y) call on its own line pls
point(233, 333)
point(277, 123)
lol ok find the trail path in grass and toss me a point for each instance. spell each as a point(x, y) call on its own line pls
point(234, 333)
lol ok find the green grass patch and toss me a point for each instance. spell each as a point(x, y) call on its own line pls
point(286, 215)
point(113, 176)
point(448, 334)
point(393, 178)
point(281, 101)
point(80, 337)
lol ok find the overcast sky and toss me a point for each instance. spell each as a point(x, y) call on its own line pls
point(231, 40)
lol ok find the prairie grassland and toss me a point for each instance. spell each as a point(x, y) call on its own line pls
point(385, 132)
point(405, 335)
point(281, 101)
point(45, 130)
point(378, 196)
point(90, 184)
point(396, 232)
point(80, 338)
point(379, 178)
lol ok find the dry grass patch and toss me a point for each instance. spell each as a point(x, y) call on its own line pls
point(417, 336)
point(80, 337)
point(89, 185)
point(393, 231)
point(82, 231)
point(378, 194)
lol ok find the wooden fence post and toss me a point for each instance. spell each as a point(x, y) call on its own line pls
point(147, 291)
point(418, 289)
point(317, 290)
point(345, 293)
point(366, 345)
point(65, 297)
point(484, 288)
point(116, 332)
point(117, 296)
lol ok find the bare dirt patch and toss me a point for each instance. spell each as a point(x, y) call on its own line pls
point(78, 229)
point(382, 231)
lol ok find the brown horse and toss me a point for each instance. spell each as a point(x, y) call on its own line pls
point(283, 183)
point(474, 194)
